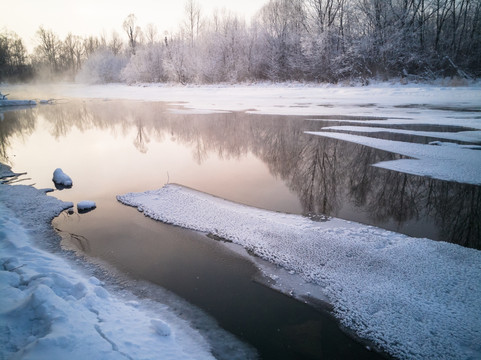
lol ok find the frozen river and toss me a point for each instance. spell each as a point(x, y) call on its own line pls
point(271, 161)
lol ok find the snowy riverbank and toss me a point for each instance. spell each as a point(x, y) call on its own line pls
point(50, 308)
point(414, 298)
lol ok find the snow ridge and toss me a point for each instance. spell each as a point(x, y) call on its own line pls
point(414, 298)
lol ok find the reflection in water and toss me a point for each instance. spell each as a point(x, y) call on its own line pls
point(20, 121)
point(327, 175)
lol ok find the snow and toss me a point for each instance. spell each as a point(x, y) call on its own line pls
point(62, 179)
point(451, 163)
point(401, 104)
point(86, 205)
point(414, 298)
point(6, 171)
point(52, 309)
point(4, 103)
point(467, 136)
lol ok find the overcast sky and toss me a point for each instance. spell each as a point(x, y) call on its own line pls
point(94, 17)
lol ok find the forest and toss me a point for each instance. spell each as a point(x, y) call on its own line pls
point(352, 41)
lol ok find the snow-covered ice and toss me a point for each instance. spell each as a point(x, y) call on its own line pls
point(4, 103)
point(52, 309)
point(468, 136)
point(414, 298)
point(452, 163)
point(6, 171)
point(86, 205)
point(61, 179)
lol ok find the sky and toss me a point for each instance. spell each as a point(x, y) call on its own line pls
point(97, 17)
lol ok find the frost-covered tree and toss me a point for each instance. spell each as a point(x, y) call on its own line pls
point(225, 49)
point(134, 33)
point(193, 20)
point(147, 65)
point(103, 66)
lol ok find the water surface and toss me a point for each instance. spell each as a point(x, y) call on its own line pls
point(114, 147)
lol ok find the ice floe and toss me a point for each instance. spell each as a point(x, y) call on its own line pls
point(467, 136)
point(414, 298)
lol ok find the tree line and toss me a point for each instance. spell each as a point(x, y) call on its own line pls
point(287, 40)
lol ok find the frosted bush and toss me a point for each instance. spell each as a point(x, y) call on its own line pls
point(102, 67)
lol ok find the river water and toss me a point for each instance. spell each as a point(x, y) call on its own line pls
point(114, 147)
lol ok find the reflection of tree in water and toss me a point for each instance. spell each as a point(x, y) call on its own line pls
point(141, 140)
point(20, 122)
point(325, 173)
point(457, 211)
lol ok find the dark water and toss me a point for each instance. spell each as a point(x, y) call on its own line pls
point(114, 147)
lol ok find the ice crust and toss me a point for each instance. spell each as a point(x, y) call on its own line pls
point(451, 163)
point(468, 136)
point(414, 298)
point(50, 309)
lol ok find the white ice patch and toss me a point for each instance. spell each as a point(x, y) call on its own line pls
point(451, 163)
point(467, 136)
point(415, 298)
point(60, 178)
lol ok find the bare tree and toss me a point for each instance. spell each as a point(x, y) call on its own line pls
point(151, 33)
point(133, 32)
point(48, 48)
point(193, 22)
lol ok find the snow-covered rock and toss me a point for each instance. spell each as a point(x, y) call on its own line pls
point(61, 179)
point(86, 205)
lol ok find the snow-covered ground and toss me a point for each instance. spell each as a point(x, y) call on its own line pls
point(52, 309)
point(414, 298)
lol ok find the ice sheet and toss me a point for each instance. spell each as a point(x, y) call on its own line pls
point(451, 163)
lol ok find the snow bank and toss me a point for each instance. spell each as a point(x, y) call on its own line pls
point(414, 298)
point(6, 171)
point(4, 103)
point(61, 179)
point(49, 309)
point(451, 163)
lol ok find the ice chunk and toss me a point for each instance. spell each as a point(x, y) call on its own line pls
point(61, 179)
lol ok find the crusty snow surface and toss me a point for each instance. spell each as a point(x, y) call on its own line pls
point(451, 163)
point(414, 298)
